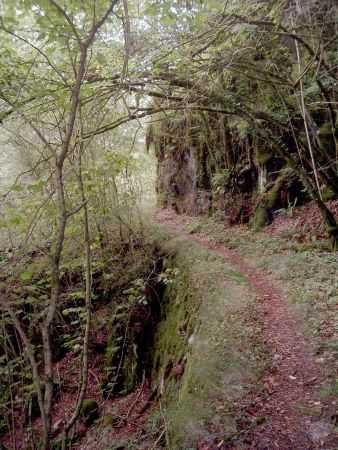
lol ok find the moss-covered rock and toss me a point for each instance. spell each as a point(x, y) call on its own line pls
point(179, 309)
point(208, 164)
point(90, 411)
point(327, 194)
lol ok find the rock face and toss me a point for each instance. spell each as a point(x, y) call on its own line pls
point(182, 181)
point(177, 180)
point(183, 178)
point(204, 165)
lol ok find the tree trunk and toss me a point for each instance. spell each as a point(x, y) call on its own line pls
point(85, 350)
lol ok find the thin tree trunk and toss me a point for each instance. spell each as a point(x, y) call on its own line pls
point(85, 350)
point(62, 221)
point(303, 112)
point(54, 298)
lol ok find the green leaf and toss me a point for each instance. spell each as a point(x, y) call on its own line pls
point(78, 294)
point(68, 311)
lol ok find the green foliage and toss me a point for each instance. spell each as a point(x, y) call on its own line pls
point(137, 292)
point(170, 276)
point(221, 179)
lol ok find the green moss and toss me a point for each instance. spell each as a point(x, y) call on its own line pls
point(89, 412)
point(111, 421)
point(173, 332)
point(104, 383)
point(327, 194)
point(236, 276)
point(261, 155)
point(265, 203)
point(221, 178)
point(325, 129)
point(273, 193)
point(112, 350)
point(194, 227)
point(129, 372)
point(259, 218)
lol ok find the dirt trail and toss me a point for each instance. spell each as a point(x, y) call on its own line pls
point(289, 406)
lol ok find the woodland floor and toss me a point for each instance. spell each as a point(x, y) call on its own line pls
point(291, 412)
point(122, 417)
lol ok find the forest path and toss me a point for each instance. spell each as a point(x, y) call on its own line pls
point(289, 399)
